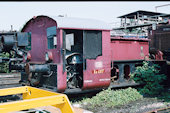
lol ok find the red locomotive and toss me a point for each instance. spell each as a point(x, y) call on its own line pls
point(73, 53)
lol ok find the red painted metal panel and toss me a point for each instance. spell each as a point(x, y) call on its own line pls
point(101, 66)
point(61, 77)
point(129, 49)
point(38, 27)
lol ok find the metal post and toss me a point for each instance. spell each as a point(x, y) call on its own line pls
point(160, 6)
point(121, 72)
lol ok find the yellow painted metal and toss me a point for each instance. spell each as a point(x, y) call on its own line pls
point(12, 91)
point(34, 97)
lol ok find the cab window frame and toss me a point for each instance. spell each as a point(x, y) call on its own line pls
point(51, 37)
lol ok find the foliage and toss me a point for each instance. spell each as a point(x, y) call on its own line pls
point(109, 98)
point(165, 95)
point(4, 67)
point(151, 78)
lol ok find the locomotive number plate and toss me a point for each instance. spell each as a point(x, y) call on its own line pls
point(98, 71)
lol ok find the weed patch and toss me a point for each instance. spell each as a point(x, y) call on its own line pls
point(109, 98)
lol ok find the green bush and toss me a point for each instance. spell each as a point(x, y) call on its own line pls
point(150, 77)
point(110, 98)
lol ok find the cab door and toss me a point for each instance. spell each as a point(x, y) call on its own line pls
point(96, 66)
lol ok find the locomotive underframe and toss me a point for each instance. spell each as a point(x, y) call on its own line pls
point(121, 70)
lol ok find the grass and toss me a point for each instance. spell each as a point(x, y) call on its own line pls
point(109, 98)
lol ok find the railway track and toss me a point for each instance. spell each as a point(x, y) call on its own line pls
point(8, 80)
point(160, 110)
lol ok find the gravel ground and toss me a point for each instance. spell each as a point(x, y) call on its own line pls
point(140, 106)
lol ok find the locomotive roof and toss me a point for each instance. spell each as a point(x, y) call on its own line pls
point(78, 23)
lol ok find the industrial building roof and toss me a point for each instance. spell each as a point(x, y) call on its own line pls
point(149, 13)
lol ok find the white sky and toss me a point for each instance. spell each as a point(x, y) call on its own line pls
point(17, 13)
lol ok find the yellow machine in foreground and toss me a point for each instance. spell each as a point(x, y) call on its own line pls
point(34, 98)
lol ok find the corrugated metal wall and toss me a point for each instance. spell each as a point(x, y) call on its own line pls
point(162, 41)
point(160, 38)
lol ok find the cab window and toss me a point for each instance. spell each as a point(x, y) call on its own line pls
point(92, 44)
point(51, 37)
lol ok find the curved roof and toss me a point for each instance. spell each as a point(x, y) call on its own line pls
point(78, 23)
